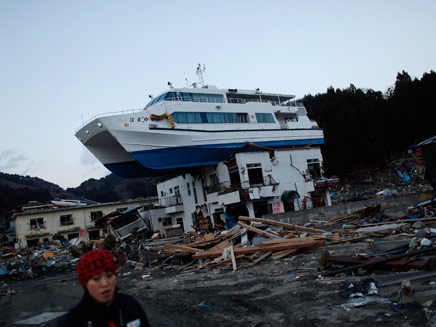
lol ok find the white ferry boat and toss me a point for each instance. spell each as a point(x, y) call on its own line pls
point(196, 126)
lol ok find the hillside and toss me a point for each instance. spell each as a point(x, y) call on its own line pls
point(16, 190)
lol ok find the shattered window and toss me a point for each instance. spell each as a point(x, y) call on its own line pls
point(36, 223)
point(66, 220)
point(167, 221)
point(314, 168)
point(255, 175)
point(96, 215)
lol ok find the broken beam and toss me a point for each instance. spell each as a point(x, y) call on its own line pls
point(287, 225)
point(262, 248)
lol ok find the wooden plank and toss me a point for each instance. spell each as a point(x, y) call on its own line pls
point(220, 247)
point(282, 254)
point(262, 257)
point(290, 235)
point(262, 248)
point(240, 245)
point(287, 225)
point(182, 247)
point(351, 239)
point(295, 240)
point(257, 230)
point(232, 255)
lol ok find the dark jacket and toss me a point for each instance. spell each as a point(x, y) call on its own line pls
point(124, 311)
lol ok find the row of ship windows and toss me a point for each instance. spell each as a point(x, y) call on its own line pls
point(219, 117)
point(190, 97)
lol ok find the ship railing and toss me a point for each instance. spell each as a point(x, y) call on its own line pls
point(108, 114)
point(244, 101)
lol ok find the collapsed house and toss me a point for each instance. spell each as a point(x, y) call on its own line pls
point(67, 220)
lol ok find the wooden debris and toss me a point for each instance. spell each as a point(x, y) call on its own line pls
point(282, 254)
point(263, 248)
point(357, 214)
point(182, 247)
point(263, 256)
point(257, 230)
point(232, 256)
point(279, 223)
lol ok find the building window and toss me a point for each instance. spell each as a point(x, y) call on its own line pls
point(167, 221)
point(214, 180)
point(255, 174)
point(96, 215)
point(180, 222)
point(171, 191)
point(314, 168)
point(72, 236)
point(36, 223)
point(94, 235)
point(66, 220)
point(195, 192)
point(188, 186)
point(235, 178)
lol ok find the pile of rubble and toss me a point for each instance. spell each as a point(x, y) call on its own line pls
point(402, 176)
point(251, 241)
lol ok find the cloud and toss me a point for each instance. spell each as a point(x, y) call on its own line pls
point(87, 159)
point(11, 159)
point(31, 168)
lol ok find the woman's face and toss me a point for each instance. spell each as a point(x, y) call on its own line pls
point(102, 286)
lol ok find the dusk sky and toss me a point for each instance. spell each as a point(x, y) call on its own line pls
point(63, 62)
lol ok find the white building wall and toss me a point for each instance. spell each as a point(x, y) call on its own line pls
point(284, 172)
point(286, 168)
point(191, 192)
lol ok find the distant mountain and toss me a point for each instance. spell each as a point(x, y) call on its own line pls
point(114, 188)
point(17, 190)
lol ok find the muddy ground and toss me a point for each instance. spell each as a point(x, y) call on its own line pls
point(286, 292)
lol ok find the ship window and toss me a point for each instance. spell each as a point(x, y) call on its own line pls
point(187, 117)
point(209, 117)
point(242, 117)
point(203, 97)
point(186, 96)
point(190, 97)
point(262, 117)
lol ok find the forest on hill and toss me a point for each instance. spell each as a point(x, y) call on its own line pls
point(363, 129)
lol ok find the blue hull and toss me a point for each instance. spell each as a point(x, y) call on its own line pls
point(171, 160)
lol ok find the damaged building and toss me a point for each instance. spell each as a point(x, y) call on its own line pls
point(66, 219)
point(254, 182)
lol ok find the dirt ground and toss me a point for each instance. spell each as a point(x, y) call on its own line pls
point(285, 292)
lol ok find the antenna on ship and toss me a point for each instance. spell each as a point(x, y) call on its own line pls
point(200, 72)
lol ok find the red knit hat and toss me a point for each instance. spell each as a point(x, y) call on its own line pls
point(93, 263)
